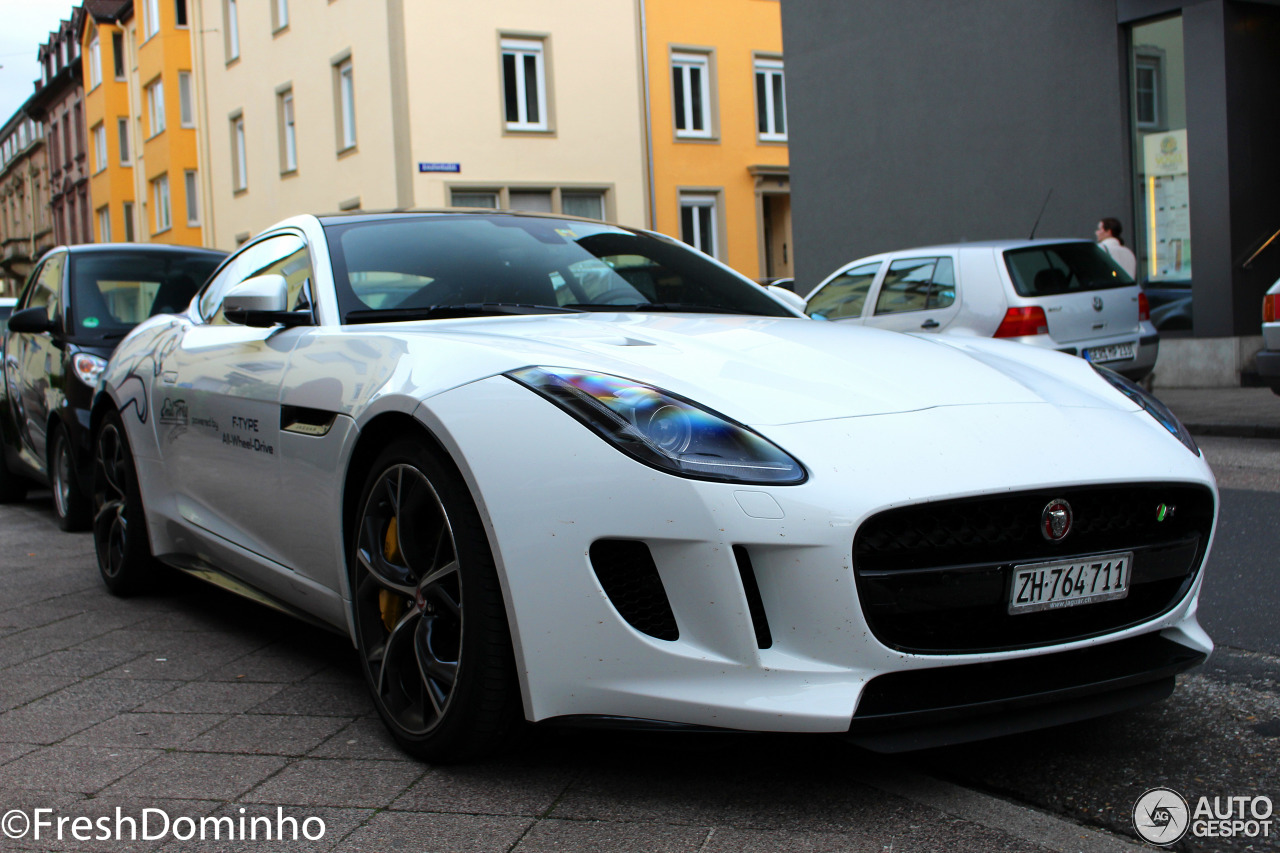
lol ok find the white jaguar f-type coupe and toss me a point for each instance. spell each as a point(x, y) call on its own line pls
point(543, 469)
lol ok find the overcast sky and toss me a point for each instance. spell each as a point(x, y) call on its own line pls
point(25, 26)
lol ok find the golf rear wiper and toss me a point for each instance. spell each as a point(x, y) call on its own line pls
point(674, 307)
point(437, 312)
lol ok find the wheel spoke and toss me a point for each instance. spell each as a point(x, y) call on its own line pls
point(390, 651)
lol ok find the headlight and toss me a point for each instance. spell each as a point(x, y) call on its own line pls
point(663, 430)
point(88, 368)
point(1154, 407)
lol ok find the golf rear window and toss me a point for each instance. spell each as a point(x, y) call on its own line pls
point(1051, 270)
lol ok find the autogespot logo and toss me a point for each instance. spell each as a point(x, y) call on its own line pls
point(1161, 817)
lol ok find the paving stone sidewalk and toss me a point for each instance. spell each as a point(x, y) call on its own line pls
point(197, 704)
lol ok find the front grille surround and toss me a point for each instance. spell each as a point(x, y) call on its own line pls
point(934, 578)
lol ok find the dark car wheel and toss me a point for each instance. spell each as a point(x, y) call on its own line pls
point(119, 522)
point(70, 503)
point(430, 623)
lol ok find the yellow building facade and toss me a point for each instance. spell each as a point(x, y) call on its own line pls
point(717, 131)
point(140, 112)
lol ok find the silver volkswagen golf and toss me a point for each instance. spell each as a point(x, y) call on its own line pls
point(1066, 295)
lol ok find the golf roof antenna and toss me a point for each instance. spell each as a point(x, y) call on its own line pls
point(1041, 213)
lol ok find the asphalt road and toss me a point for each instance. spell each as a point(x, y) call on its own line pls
point(195, 701)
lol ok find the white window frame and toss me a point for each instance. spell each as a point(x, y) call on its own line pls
point(685, 63)
point(155, 107)
point(279, 15)
point(239, 164)
point(151, 18)
point(699, 201)
point(186, 104)
point(288, 133)
point(187, 9)
point(95, 63)
point(1152, 60)
point(231, 20)
point(191, 186)
point(122, 136)
point(161, 204)
point(519, 49)
point(99, 134)
point(104, 224)
point(769, 110)
point(346, 89)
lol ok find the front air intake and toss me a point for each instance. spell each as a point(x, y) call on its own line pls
point(630, 579)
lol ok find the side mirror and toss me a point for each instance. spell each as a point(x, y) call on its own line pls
point(261, 301)
point(31, 320)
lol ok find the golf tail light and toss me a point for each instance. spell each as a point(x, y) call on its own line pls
point(1020, 322)
point(88, 367)
point(1144, 307)
point(662, 430)
point(1271, 307)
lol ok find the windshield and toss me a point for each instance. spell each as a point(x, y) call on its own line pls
point(111, 292)
point(476, 264)
point(1064, 268)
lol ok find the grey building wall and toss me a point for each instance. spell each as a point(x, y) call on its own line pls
point(918, 121)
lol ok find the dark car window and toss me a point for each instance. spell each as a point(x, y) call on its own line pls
point(846, 295)
point(281, 254)
point(917, 284)
point(111, 292)
point(1064, 268)
point(45, 287)
point(420, 262)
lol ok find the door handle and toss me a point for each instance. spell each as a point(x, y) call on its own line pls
point(930, 324)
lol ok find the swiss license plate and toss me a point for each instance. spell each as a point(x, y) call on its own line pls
point(1114, 352)
point(1068, 583)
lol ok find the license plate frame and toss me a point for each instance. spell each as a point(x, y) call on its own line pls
point(1091, 579)
point(1110, 352)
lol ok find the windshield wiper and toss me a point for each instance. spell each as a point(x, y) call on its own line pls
point(437, 312)
point(674, 307)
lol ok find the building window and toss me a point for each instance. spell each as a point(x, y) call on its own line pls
point(186, 109)
point(771, 104)
point(126, 209)
point(155, 107)
point(231, 25)
point(122, 130)
point(117, 54)
point(99, 147)
point(572, 201)
point(586, 204)
point(468, 198)
point(239, 165)
point(104, 224)
point(344, 81)
point(192, 186)
point(151, 19)
point(288, 133)
point(1148, 84)
point(95, 63)
point(524, 84)
point(160, 200)
point(180, 13)
point(279, 15)
point(691, 94)
point(698, 222)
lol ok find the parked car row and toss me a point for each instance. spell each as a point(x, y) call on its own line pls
point(548, 470)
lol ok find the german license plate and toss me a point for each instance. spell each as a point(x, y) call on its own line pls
point(1068, 583)
point(1114, 352)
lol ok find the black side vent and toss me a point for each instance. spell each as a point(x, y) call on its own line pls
point(626, 570)
point(755, 603)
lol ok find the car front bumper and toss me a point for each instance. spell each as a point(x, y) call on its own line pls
point(1269, 368)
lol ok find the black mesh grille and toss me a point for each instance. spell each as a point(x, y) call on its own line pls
point(935, 577)
point(626, 571)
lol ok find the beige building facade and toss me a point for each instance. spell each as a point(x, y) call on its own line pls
point(311, 107)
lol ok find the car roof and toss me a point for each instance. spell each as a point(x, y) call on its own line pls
point(375, 215)
point(999, 245)
point(158, 248)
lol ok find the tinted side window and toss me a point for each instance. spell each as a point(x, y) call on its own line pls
point(1066, 268)
point(45, 290)
point(917, 284)
point(264, 256)
point(845, 296)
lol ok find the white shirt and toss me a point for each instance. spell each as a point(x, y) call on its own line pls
point(1123, 256)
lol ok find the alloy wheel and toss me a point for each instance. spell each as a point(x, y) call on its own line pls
point(111, 494)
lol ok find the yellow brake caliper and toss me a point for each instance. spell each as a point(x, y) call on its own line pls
point(390, 604)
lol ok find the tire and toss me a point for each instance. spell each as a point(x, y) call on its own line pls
point(430, 624)
point(119, 520)
point(70, 503)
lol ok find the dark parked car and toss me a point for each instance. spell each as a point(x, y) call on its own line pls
point(76, 306)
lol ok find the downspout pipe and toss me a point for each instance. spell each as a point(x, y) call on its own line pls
point(648, 117)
